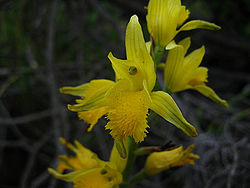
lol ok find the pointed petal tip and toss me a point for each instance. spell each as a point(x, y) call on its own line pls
point(214, 27)
point(62, 90)
point(110, 56)
point(194, 134)
point(171, 45)
point(188, 39)
point(217, 27)
point(203, 50)
point(225, 104)
point(62, 140)
point(90, 128)
point(192, 131)
point(52, 171)
point(134, 18)
point(76, 108)
point(69, 106)
point(72, 108)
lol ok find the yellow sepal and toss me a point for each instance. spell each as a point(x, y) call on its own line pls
point(185, 43)
point(137, 52)
point(75, 91)
point(96, 100)
point(209, 92)
point(199, 24)
point(173, 67)
point(164, 105)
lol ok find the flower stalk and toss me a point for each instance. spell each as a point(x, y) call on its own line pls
point(157, 54)
point(135, 179)
point(132, 146)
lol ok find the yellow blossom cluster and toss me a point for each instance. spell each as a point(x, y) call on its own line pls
point(127, 101)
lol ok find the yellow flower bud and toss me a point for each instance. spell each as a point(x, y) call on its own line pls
point(166, 16)
point(160, 161)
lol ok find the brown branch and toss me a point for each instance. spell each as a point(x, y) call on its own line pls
point(106, 15)
point(49, 56)
point(32, 159)
point(25, 119)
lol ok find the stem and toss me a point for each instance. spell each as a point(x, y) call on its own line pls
point(157, 54)
point(131, 158)
point(138, 177)
point(167, 91)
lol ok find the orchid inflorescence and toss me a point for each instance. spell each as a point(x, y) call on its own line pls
point(127, 101)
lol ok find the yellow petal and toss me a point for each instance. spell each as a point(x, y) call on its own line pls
point(199, 24)
point(173, 67)
point(99, 178)
point(199, 76)
point(70, 176)
point(92, 106)
point(92, 116)
point(184, 13)
point(149, 46)
point(96, 85)
point(162, 20)
point(189, 73)
point(86, 157)
point(136, 50)
point(127, 112)
point(186, 44)
point(68, 163)
point(207, 91)
point(77, 149)
point(171, 45)
point(129, 70)
point(160, 161)
point(87, 89)
point(193, 60)
point(103, 177)
point(164, 105)
point(75, 91)
point(94, 101)
point(121, 67)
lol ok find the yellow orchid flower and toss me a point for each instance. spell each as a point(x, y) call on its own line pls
point(183, 72)
point(160, 161)
point(88, 170)
point(127, 101)
point(166, 16)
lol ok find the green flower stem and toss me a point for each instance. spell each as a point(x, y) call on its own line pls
point(138, 177)
point(157, 54)
point(167, 91)
point(135, 179)
point(132, 146)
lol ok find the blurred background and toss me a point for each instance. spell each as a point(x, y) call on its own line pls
point(47, 44)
